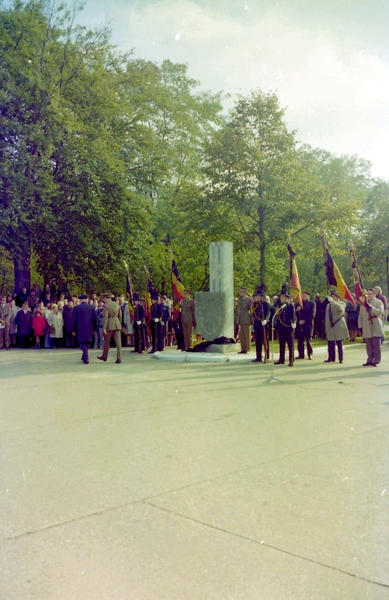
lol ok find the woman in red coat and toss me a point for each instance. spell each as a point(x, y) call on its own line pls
point(38, 326)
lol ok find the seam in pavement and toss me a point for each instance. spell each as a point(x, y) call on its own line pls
point(247, 539)
point(148, 499)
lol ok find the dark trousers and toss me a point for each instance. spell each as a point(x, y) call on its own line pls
point(139, 337)
point(260, 341)
point(161, 333)
point(373, 349)
point(286, 339)
point(331, 350)
point(154, 342)
point(84, 348)
point(300, 345)
point(24, 341)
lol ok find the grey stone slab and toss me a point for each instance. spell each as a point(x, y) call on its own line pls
point(142, 553)
point(328, 504)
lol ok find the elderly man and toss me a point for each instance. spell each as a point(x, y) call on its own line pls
point(84, 325)
point(5, 319)
point(335, 324)
point(112, 327)
point(370, 321)
point(244, 320)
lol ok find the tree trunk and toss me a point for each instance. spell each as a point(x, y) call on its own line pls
point(22, 270)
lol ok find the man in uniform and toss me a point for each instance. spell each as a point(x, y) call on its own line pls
point(164, 321)
point(5, 320)
point(112, 327)
point(155, 322)
point(84, 325)
point(285, 325)
point(139, 326)
point(188, 319)
point(304, 329)
point(244, 320)
point(261, 314)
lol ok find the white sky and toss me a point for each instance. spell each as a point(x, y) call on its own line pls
point(327, 61)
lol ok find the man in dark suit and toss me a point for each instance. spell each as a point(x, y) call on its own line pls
point(285, 325)
point(139, 326)
point(23, 321)
point(84, 325)
point(305, 321)
point(261, 313)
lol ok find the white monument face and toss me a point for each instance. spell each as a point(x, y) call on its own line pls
point(215, 309)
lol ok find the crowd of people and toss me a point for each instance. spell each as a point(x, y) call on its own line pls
point(45, 318)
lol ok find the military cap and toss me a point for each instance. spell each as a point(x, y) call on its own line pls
point(82, 297)
point(261, 289)
point(334, 292)
point(307, 293)
point(136, 296)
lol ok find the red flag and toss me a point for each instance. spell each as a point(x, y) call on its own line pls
point(294, 285)
point(177, 290)
point(334, 276)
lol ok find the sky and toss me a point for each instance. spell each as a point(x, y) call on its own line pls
point(328, 61)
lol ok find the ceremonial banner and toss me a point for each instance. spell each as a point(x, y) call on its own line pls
point(150, 289)
point(130, 296)
point(358, 285)
point(334, 277)
point(294, 281)
point(177, 290)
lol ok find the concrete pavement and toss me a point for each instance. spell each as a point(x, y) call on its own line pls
point(152, 480)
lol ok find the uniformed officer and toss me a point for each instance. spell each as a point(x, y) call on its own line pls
point(139, 326)
point(285, 325)
point(261, 315)
point(188, 318)
point(112, 327)
point(305, 320)
point(244, 320)
point(155, 321)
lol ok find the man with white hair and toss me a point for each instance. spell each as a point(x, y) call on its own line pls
point(370, 321)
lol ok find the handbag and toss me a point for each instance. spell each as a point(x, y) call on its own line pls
point(51, 329)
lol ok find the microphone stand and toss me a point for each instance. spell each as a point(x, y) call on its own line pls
point(272, 378)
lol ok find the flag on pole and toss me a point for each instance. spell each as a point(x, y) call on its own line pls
point(130, 295)
point(150, 290)
point(294, 281)
point(334, 277)
point(177, 290)
point(358, 285)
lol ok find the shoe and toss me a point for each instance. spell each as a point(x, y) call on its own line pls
point(309, 357)
point(118, 362)
point(151, 352)
point(132, 351)
point(279, 363)
point(86, 362)
point(328, 360)
point(373, 365)
point(290, 364)
point(367, 364)
point(300, 357)
point(256, 360)
point(341, 362)
point(241, 352)
point(101, 358)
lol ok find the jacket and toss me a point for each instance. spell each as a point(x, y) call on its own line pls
point(112, 316)
point(335, 324)
point(371, 321)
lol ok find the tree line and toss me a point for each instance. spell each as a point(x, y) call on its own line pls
point(106, 159)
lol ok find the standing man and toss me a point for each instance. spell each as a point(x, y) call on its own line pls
point(164, 321)
point(112, 327)
point(335, 324)
point(23, 321)
point(285, 325)
point(261, 314)
point(188, 319)
point(304, 329)
point(139, 326)
point(370, 321)
point(84, 325)
point(5, 321)
point(244, 320)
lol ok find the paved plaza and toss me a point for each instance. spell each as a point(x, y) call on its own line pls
point(152, 480)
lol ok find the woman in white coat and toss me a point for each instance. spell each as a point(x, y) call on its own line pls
point(55, 322)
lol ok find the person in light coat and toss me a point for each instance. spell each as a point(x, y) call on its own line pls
point(335, 325)
point(55, 322)
point(370, 321)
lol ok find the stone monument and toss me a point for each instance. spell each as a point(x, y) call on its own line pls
point(215, 309)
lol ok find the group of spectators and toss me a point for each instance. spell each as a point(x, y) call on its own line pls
point(44, 319)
